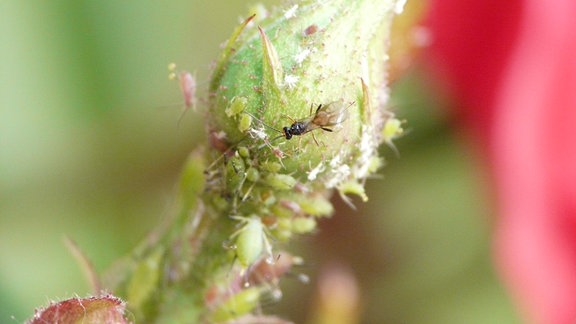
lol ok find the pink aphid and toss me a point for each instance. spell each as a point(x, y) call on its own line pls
point(188, 88)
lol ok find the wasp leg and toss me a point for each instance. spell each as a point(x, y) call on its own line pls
point(315, 140)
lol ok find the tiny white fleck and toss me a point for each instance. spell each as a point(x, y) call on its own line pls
point(290, 13)
point(368, 146)
point(300, 57)
point(340, 173)
point(258, 133)
point(335, 162)
point(220, 135)
point(312, 174)
point(291, 80)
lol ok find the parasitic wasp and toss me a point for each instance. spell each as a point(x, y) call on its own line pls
point(325, 117)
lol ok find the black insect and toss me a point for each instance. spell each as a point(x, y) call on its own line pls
point(325, 118)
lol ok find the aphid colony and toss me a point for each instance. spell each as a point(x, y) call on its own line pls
point(260, 198)
point(265, 204)
point(251, 187)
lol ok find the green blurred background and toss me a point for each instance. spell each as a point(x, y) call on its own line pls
point(90, 148)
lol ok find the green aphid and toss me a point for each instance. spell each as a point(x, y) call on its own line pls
point(244, 152)
point(268, 199)
point(145, 278)
point(219, 202)
point(391, 131)
point(295, 225)
point(354, 188)
point(303, 225)
point(283, 230)
point(281, 211)
point(316, 206)
point(237, 305)
point(244, 123)
point(280, 181)
point(235, 173)
point(271, 166)
point(374, 164)
point(251, 240)
point(252, 174)
point(236, 106)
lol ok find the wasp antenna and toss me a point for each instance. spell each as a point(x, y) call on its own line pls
point(263, 123)
point(291, 119)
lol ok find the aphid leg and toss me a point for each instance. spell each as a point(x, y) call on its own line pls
point(227, 245)
point(279, 155)
point(268, 248)
point(248, 192)
point(277, 152)
point(347, 200)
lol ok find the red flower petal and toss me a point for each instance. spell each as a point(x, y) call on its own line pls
point(514, 66)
